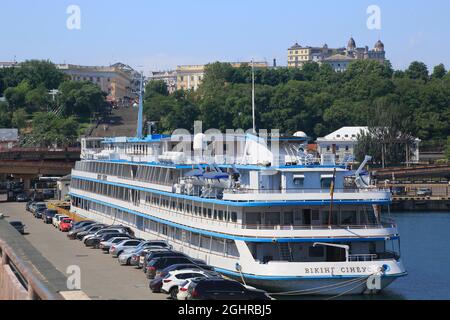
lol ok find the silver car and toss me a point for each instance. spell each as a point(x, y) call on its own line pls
point(117, 249)
point(106, 245)
point(128, 257)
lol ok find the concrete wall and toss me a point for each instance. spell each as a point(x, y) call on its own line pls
point(10, 287)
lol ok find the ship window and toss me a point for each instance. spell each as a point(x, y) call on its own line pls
point(316, 252)
point(234, 216)
point(220, 215)
point(272, 218)
point(288, 218)
point(253, 218)
point(348, 217)
point(209, 213)
point(299, 180)
point(215, 214)
point(204, 212)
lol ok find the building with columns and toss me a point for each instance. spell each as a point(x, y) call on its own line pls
point(337, 58)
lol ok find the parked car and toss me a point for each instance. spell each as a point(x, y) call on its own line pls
point(95, 241)
point(27, 206)
point(183, 289)
point(106, 244)
point(48, 215)
point(57, 220)
point(65, 224)
point(156, 284)
point(39, 212)
point(22, 197)
point(424, 192)
point(83, 223)
point(223, 289)
point(156, 265)
point(90, 230)
point(117, 249)
point(19, 226)
point(37, 205)
point(99, 233)
point(173, 279)
point(157, 254)
point(128, 257)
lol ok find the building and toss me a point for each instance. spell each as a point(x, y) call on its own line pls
point(342, 143)
point(338, 58)
point(7, 64)
point(9, 138)
point(169, 77)
point(120, 82)
point(189, 77)
point(62, 187)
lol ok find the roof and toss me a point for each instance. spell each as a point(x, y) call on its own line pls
point(345, 134)
point(339, 57)
point(9, 135)
point(295, 46)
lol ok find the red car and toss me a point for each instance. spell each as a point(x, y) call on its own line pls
point(66, 225)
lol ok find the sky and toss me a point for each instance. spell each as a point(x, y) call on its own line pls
point(161, 34)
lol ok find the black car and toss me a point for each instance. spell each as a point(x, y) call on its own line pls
point(22, 197)
point(47, 216)
point(156, 265)
point(39, 212)
point(83, 223)
point(156, 284)
point(223, 289)
point(19, 226)
point(158, 254)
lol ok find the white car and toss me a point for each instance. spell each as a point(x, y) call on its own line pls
point(56, 220)
point(183, 290)
point(174, 279)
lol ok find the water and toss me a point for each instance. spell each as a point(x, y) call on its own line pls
point(425, 249)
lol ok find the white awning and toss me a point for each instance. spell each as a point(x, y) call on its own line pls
point(326, 176)
point(299, 176)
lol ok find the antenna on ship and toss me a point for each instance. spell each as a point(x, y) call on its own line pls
point(253, 97)
point(141, 109)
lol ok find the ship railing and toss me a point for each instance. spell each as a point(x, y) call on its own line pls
point(315, 227)
point(362, 257)
point(300, 191)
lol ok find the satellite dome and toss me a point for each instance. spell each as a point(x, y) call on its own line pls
point(300, 134)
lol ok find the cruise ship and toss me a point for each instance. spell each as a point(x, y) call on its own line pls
point(260, 210)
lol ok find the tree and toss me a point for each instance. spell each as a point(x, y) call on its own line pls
point(40, 72)
point(156, 87)
point(447, 150)
point(19, 118)
point(81, 99)
point(16, 96)
point(5, 115)
point(439, 72)
point(417, 71)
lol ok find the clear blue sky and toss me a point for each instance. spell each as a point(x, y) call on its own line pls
point(160, 34)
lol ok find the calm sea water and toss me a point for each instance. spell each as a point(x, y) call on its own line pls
point(425, 248)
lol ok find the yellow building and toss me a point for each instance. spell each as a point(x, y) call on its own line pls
point(298, 56)
point(113, 80)
point(189, 77)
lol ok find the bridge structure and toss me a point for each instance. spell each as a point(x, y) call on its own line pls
point(27, 164)
point(422, 171)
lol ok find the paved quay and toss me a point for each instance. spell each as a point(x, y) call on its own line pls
point(102, 278)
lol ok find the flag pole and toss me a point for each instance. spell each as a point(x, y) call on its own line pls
point(333, 181)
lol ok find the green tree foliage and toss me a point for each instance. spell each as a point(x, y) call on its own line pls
point(81, 99)
point(418, 71)
point(447, 150)
point(5, 115)
point(49, 129)
point(439, 71)
point(19, 118)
